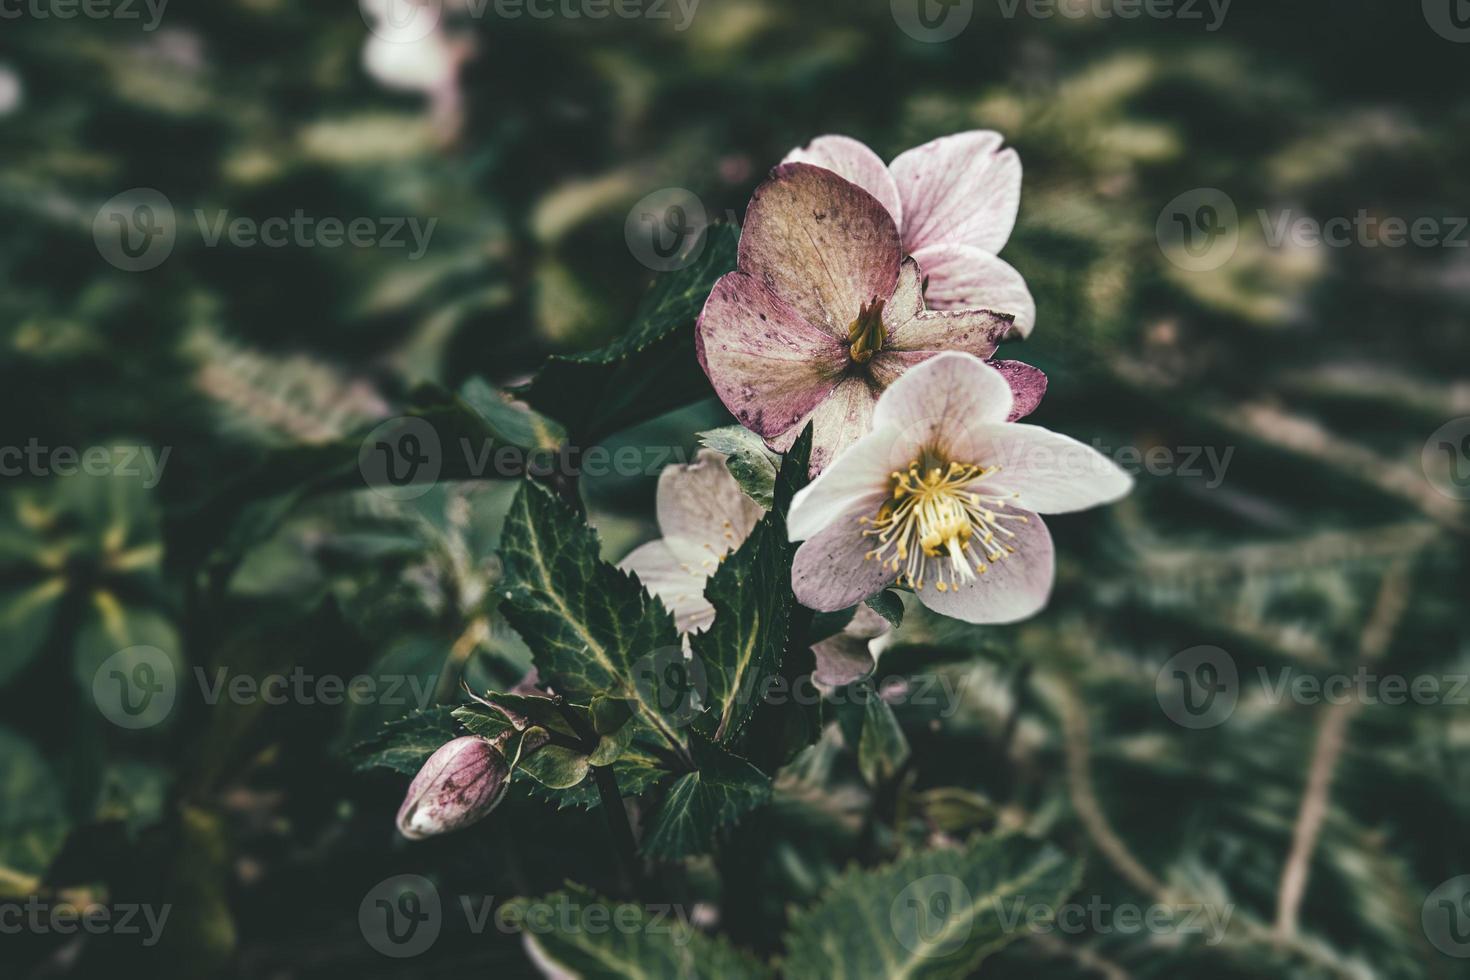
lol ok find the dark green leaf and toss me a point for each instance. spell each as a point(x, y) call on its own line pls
point(751, 464)
point(25, 622)
point(889, 606)
point(404, 745)
point(699, 804)
point(33, 822)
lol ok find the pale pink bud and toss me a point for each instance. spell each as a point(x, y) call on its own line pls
point(459, 785)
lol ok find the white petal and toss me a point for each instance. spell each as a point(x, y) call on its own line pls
point(852, 159)
point(962, 277)
point(671, 570)
point(702, 503)
point(830, 572)
point(1011, 589)
point(945, 394)
point(861, 474)
point(1051, 473)
point(961, 189)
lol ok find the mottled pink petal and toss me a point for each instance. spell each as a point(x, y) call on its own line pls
point(961, 189)
point(829, 572)
point(860, 475)
point(907, 300)
point(1051, 473)
point(1010, 589)
point(937, 401)
point(821, 243)
point(972, 331)
point(702, 503)
point(962, 277)
point(1028, 385)
point(673, 571)
point(768, 365)
point(852, 159)
point(837, 423)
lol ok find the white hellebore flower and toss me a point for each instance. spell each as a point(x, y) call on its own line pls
point(943, 495)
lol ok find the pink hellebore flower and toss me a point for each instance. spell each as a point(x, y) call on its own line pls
point(458, 786)
point(954, 200)
point(823, 312)
point(704, 516)
point(943, 496)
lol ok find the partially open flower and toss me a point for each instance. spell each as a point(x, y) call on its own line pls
point(954, 201)
point(943, 496)
point(458, 786)
point(824, 312)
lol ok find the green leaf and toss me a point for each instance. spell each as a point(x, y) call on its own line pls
point(587, 623)
point(793, 473)
point(635, 770)
point(26, 615)
point(751, 464)
point(405, 745)
point(588, 936)
point(699, 804)
point(751, 593)
point(882, 747)
point(555, 766)
point(651, 368)
point(33, 822)
point(935, 914)
point(889, 606)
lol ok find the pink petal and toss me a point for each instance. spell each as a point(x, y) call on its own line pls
point(1028, 385)
point(1051, 473)
point(1010, 589)
point(830, 573)
point(859, 476)
point(842, 659)
point(962, 277)
point(907, 300)
point(841, 420)
point(933, 404)
point(852, 159)
point(821, 243)
point(768, 365)
point(702, 503)
point(672, 570)
point(866, 624)
point(961, 189)
point(972, 331)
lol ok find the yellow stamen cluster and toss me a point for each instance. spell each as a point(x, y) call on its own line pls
point(934, 513)
point(866, 335)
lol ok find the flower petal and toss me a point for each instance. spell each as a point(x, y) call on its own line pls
point(934, 403)
point(829, 572)
point(972, 331)
point(768, 365)
point(853, 160)
point(702, 503)
point(671, 570)
point(867, 624)
point(842, 659)
point(1011, 589)
point(821, 243)
point(962, 277)
point(1051, 473)
point(1028, 385)
point(961, 189)
point(838, 422)
point(858, 476)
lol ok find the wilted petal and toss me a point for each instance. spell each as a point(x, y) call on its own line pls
point(852, 159)
point(907, 300)
point(821, 243)
point(1010, 589)
point(972, 331)
point(674, 571)
point(962, 277)
point(1028, 385)
point(702, 503)
point(829, 572)
point(938, 400)
point(961, 189)
point(842, 659)
point(1052, 473)
point(768, 365)
point(837, 423)
point(459, 785)
point(867, 624)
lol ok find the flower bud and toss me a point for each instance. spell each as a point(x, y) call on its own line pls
point(459, 785)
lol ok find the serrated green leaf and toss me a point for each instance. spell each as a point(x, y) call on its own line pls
point(587, 623)
point(644, 942)
point(889, 606)
point(751, 593)
point(936, 914)
point(405, 745)
point(699, 804)
point(482, 721)
point(651, 368)
point(751, 464)
point(636, 772)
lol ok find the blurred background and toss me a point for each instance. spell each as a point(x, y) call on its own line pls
point(1245, 230)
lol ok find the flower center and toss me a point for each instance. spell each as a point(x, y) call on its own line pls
point(935, 514)
point(866, 334)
